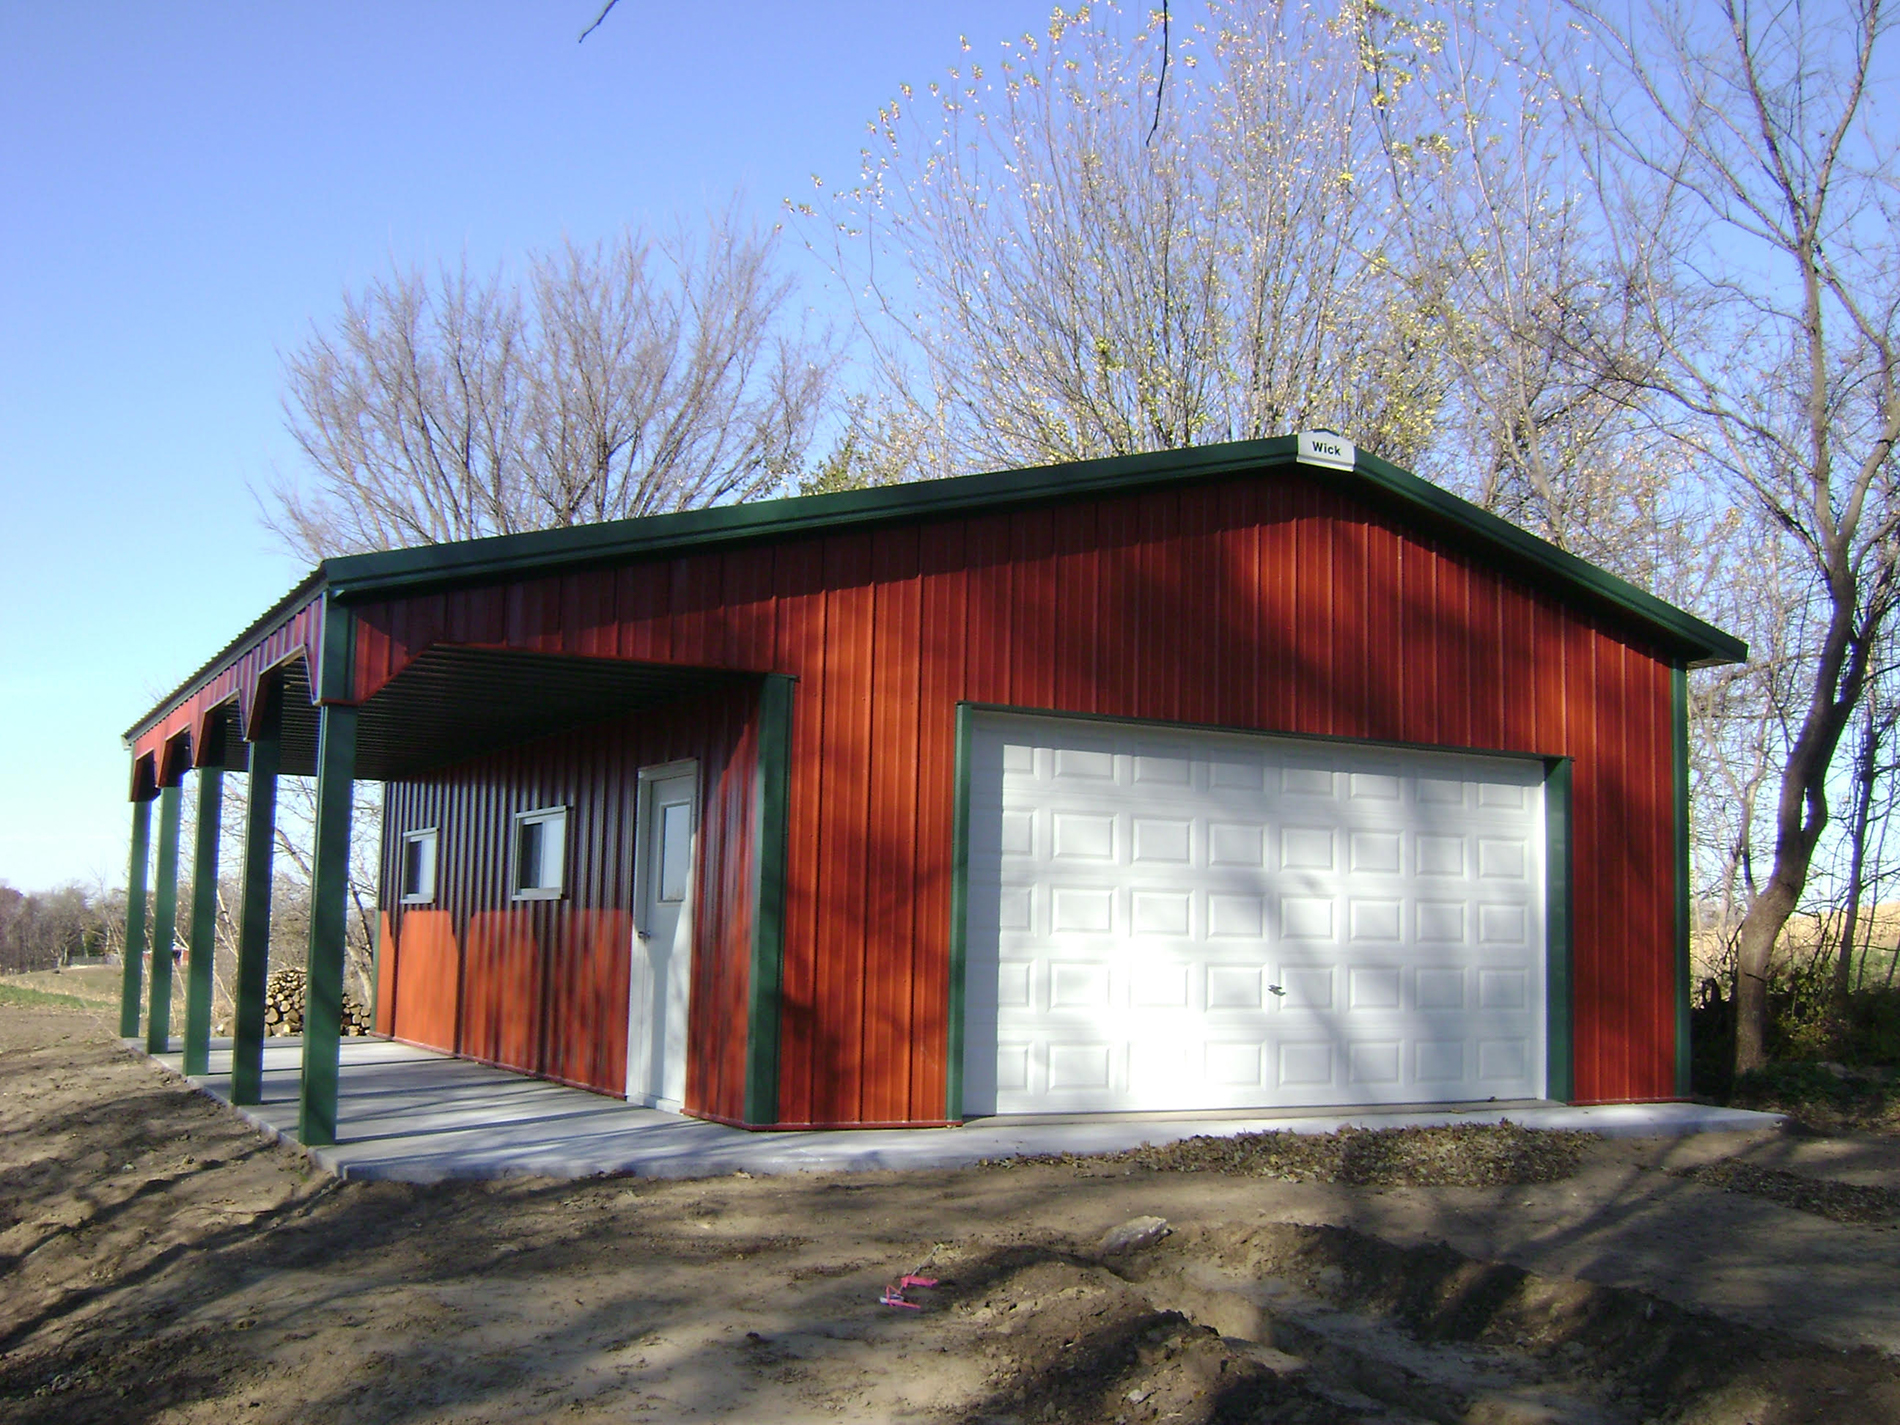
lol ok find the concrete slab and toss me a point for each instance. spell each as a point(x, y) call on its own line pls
point(416, 1115)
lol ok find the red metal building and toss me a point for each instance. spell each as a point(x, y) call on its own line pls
point(1247, 776)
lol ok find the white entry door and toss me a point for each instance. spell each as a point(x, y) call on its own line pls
point(665, 847)
point(1161, 918)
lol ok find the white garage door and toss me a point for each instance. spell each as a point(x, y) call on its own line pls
point(1160, 919)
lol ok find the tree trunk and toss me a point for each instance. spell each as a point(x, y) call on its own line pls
point(1801, 811)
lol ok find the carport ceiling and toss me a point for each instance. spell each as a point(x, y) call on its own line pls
point(455, 703)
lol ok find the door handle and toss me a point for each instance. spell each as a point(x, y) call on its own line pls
point(1279, 991)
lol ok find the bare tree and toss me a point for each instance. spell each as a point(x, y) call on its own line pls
point(46, 930)
point(1545, 354)
point(623, 379)
point(1040, 281)
point(1745, 164)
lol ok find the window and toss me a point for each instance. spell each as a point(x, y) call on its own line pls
point(676, 850)
point(540, 854)
point(418, 866)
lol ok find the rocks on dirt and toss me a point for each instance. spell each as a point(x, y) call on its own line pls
point(1133, 1235)
point(284, 1003)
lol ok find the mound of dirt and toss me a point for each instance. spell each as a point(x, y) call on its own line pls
point(1460, 1155)
point(1296, 1323)
point(1067, 1339)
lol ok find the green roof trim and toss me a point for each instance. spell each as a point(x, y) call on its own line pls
point(1707, 645)
point(393, 573)
point(540, 551)
point(361, 575)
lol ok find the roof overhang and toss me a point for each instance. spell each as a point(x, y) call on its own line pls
point(541, 552)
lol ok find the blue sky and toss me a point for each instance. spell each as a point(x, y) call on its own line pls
point(188, 187)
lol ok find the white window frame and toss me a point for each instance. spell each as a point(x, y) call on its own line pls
point(423, 894)
point(544, 816)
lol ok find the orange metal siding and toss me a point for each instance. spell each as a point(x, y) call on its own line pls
point(1276, 603)
point(542, 985)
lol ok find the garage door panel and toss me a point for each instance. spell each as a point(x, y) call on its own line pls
point(1170, 919)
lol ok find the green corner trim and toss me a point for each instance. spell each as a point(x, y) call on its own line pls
point(1560, 1060)
point(158, 1015)
point(1685, 1056)
point(772, 829)
point(335, 671)
point(376, 946)
point(203, 948)
point(959, 922)
point(132, 972)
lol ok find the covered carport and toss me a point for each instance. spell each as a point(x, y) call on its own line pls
point(275, 702)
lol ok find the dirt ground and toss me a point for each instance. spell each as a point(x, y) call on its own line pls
point(160, 1262)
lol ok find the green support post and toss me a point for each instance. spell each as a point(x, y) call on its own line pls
point(158, 1016)
point(323, 970)
point(253, 956)
point(1685, 1048)
point(132, 981)
point(204, 922)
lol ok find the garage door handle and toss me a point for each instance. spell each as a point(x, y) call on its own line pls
point(1276, 989)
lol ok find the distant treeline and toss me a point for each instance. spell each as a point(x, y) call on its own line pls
point(40, 930)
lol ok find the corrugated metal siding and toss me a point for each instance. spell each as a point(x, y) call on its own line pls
point(542, 985)
point(1273, 603)
point(300, 633)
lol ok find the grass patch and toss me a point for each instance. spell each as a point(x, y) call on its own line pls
point(1459, 1155)
point(21, 995)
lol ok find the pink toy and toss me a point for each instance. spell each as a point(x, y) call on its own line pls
point(894, 1293)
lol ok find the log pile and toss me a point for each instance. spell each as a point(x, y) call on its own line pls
point(283, 1005)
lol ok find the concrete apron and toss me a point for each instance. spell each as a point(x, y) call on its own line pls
point(416, 1115)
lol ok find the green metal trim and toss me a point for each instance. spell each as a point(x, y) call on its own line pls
point(336, 657)
point(376, 962)
point(1559, 1034)
point(957, 1018)
point(1679, 720)
point(1172, 724)
point(772, 832)
point(253, 956)
point(366, 574)
point(203, 951)
point(254, 633)
point(329, 890)
point(158, 1014)
point(362, 575)
point(132, 976)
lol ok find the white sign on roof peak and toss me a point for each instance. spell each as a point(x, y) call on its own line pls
point(1328, 448)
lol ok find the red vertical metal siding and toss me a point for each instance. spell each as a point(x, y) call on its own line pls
point(542, 985)
point(298, 635)
point(1276, 603)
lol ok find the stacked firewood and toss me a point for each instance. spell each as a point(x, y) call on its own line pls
point(283, 1005)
